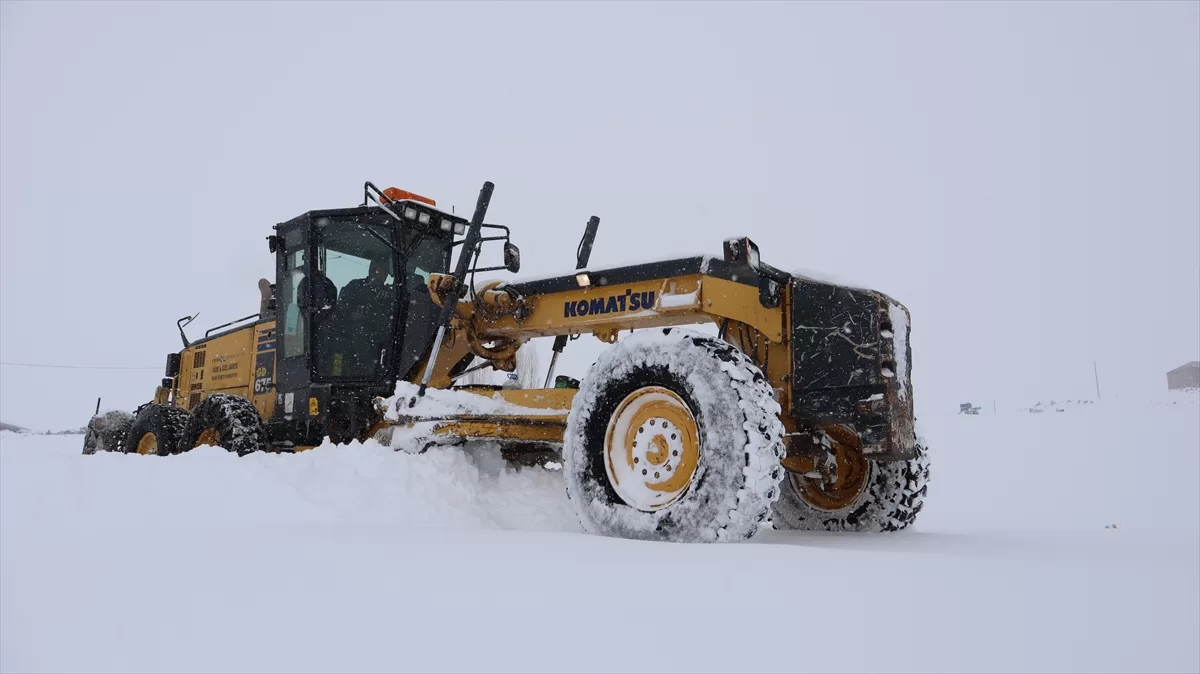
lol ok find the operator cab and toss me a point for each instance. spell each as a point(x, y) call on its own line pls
point(353, 311)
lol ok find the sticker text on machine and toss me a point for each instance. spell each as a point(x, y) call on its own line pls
point(627, 301)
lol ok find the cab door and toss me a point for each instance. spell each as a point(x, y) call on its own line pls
point(424, 254)
point(293, 263)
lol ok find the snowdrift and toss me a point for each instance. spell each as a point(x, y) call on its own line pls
point(356, 483)
point(361, 558)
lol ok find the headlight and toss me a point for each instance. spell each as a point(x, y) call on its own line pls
point(423, 218)
point(410, 213)
point(447, 225)
point(460, 228)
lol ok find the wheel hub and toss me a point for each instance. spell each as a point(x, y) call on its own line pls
point(147, 444)
point(840, 488)
point(209, 436)
point(651, 448)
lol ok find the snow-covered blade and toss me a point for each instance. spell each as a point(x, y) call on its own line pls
point(405, 404)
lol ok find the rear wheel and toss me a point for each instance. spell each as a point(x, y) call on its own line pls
point(107, 432)
point(673, 436)
point(227, 421)
point(156, 430)
point(860, 495)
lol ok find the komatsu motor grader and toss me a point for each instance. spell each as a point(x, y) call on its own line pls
point(793, 410)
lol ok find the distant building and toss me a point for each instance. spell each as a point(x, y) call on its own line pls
point(1184, 376)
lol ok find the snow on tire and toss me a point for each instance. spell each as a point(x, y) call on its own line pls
point(107, 432)
point(673, 436)
point(893, 494)
point(155, 430)
point(227, 421)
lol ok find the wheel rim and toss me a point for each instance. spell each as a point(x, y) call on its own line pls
point(852, 473)
point(209, 436)
point(147, 444)
point(651, 448)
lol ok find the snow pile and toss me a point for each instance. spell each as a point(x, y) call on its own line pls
point(1056, 406)
point(468, 487)
point(1184, 398)
point(357, 482)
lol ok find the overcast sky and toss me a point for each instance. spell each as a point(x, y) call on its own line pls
point(1024, 176)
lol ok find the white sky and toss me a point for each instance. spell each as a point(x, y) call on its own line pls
point(1024, 176)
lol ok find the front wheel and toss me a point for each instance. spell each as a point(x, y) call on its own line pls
point(673, 436)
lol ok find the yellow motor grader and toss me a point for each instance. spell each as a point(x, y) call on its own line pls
point(794, 409)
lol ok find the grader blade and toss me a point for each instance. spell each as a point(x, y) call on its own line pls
point(521, 419)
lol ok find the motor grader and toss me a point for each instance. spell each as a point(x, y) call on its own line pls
point(794, 410)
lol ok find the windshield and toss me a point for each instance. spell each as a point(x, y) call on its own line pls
point(353, 334)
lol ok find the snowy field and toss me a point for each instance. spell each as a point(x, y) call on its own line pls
point(359, 559)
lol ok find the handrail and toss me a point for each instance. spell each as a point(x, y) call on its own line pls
point(225, 325)
point(367, 187)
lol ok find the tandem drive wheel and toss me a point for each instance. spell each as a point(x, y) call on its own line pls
point(224, 420)
point(155, 430)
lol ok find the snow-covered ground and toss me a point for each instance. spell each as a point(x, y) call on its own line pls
point(363, 559)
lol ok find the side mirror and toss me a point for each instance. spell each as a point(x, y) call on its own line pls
point(173, 362)
point(273, 243)
point(512, 257)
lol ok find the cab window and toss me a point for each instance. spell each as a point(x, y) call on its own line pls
point(354, 335)
point(293, 317)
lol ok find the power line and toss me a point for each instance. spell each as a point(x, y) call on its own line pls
point(81, 367)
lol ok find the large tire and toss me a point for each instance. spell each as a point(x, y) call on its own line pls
point(155, 430)
point(107, 432)
point(727, 470)
point(892, 496)
point(227, 421)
